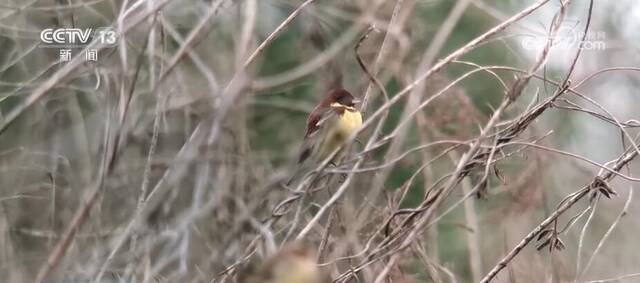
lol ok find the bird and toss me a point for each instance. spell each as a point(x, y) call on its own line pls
point(294, 263)
point(330, 125)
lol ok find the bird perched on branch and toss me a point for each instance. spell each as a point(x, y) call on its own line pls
point(329, 125)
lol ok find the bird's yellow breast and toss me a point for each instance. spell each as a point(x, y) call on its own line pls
point(347, 123)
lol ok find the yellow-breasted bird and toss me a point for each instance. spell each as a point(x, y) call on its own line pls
point(329, 125)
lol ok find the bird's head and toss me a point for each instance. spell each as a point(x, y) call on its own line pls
point(342, 97)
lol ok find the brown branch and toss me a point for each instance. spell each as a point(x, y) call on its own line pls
point(622, 161)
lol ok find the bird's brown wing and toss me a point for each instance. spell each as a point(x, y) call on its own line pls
point(318, 125)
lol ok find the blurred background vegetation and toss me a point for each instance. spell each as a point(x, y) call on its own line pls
point(77, 137)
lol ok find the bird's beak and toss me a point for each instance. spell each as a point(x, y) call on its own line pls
point(356, 101)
